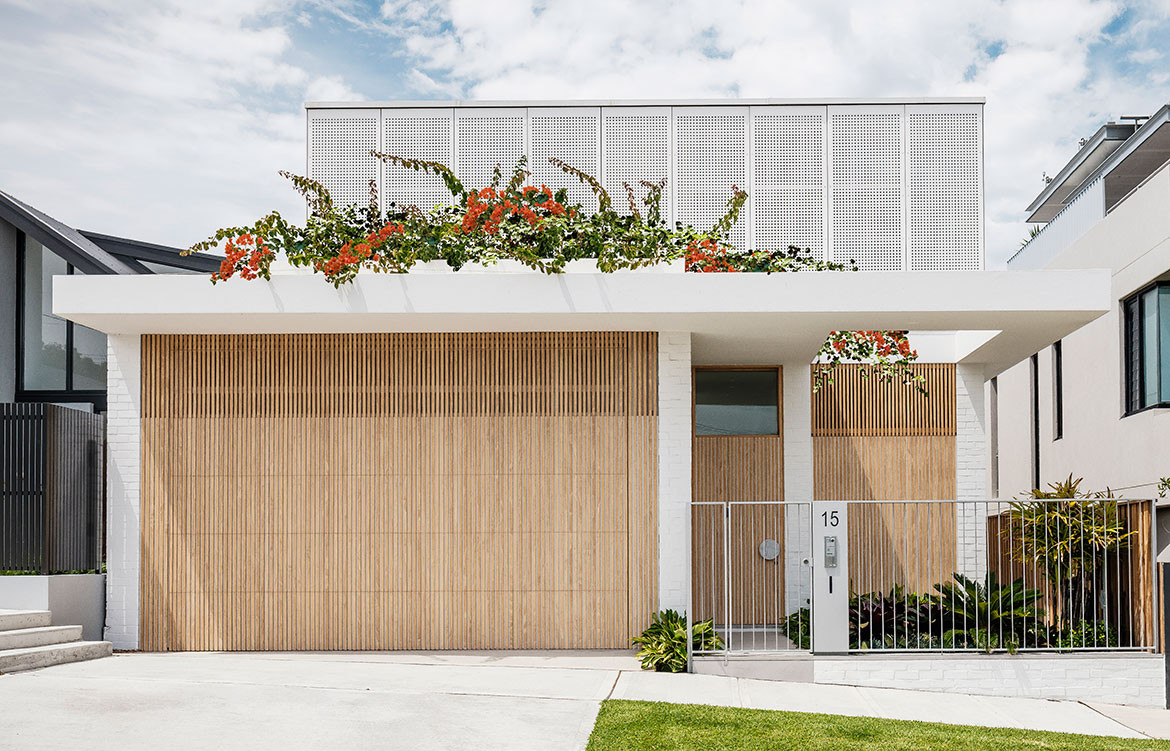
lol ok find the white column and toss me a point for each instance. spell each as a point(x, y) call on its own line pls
point(970, 471)
point(674, 469)
point(123, 518)
point(798, 484)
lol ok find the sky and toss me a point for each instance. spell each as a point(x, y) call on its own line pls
point(163, 120)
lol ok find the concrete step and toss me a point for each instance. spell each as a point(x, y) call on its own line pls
point(12, 660)
point(11, 620)
point(20, 638)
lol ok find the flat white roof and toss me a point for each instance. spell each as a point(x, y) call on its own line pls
point(424, 103)
point(734, 318)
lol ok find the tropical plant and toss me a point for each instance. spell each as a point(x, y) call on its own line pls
point(899, 619)
point(988, 615)
point(664, 642)
point(1085, 634)
point(1067, 534)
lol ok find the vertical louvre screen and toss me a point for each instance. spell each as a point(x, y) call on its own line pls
point(398, 491)
point(866, 174)
point(944, 201)
point(425, 134)
point(485, 139)
point(885, 441)
point(340, 159)
point(573, 137)
point(637, 148)
point(711, 156)
point(788, 193)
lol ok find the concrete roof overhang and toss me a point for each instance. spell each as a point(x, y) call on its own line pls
point(733, 318)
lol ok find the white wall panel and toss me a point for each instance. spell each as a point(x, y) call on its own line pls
point(340, 155)
point(636, 147)
point(416, 134)
point(865, 172)
point(711, 157)
point(944, 185)
point(788, 186)
point(573, 135)
point(485, 138)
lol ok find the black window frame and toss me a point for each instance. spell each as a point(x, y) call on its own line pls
point(1057, 390)
point(740, 368)
point(67, 395)
point(1133, 346)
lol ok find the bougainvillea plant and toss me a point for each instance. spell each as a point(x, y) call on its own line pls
point(536, 226)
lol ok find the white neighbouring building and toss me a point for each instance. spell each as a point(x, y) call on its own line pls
point(1093, 404)
point(497, 458)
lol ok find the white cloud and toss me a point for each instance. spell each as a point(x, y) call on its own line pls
point(166, 119)
point(158, 120)
point(1036, 61)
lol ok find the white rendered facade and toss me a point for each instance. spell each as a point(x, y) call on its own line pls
point(1098, 436)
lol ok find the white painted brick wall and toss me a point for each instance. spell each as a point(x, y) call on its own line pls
point(970, 471)
point(1113, 679)
point(798, 483)
point(123, 521)
point(674, 469)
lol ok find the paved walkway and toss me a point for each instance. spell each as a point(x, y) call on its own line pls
point(436, 701)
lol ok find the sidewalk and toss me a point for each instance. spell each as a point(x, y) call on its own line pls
point(439, 701)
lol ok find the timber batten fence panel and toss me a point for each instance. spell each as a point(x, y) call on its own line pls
point(885, 441)
point(398, 491)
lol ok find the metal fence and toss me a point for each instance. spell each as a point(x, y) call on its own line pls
point(931, 576)
point(52, 488)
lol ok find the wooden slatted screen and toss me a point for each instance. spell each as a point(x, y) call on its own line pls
point(739, 468)
point(398, 491)
point(886, 441)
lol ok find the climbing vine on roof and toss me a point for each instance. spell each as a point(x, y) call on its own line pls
point(537, 226)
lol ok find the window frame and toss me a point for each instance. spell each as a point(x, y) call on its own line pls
point(1058, 390)
point(778, 370)
point(67, 395)
point(1133, 340)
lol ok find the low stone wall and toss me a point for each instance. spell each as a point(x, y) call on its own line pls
point(1136, 679)
point(74, 599)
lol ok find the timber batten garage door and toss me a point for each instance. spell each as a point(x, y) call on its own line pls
point(398, 491)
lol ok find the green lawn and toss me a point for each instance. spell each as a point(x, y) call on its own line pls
point(638, 725)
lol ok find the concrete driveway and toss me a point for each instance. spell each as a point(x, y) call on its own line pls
point(544, 701)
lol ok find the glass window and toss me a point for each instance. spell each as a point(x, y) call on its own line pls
point(1147, 348)
point(89, 359)
point(57, 355)
point(737, 402)
point(45, 335)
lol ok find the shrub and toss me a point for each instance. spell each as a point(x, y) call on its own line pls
point(1085, 634)
point(988, 615)
point(664, 642)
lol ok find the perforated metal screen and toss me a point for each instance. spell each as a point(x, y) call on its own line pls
point(339, 155)
point(572, 136)
point(788, 193)
point(637, 148)
point(944, 190)
point(865, 173)
point(485, 139)
point(710, 158)
point(891, 187)
point(416, 134)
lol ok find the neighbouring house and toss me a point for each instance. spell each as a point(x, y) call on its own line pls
point(501, 459)
point(1093, 403)
point(52, 400)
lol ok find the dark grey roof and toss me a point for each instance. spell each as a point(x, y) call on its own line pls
point(132, 252)
point(60, 238)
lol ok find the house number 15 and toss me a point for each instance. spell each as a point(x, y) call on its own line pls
point(829, 518)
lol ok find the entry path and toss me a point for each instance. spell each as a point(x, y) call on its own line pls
point(436, 701)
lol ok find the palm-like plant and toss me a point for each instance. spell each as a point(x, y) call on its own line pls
point(1067, 534)
point(989, 615)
